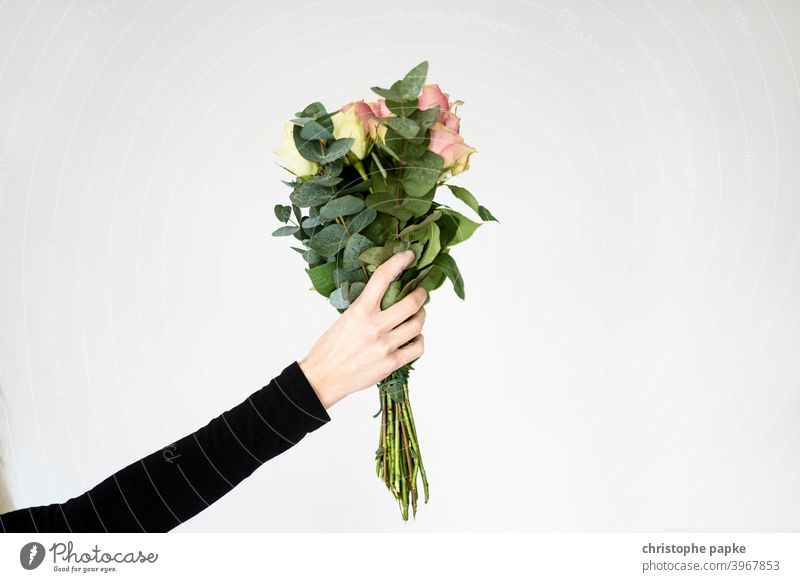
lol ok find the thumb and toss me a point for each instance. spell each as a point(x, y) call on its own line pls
point(382, 277)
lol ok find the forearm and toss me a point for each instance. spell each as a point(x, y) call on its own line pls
point(173, 484)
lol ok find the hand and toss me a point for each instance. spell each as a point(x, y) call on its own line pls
point(366, 344)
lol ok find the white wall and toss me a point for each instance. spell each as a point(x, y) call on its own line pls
point(627, 354)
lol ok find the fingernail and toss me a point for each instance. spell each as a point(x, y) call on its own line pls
point(409, 254)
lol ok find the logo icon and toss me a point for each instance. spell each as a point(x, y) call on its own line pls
point(31, 555)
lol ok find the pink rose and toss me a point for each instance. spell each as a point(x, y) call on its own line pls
point(379, 109)
point(366, 114)
point(432, 96)
point(450, 145)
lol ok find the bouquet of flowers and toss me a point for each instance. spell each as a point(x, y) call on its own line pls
point(366, 176)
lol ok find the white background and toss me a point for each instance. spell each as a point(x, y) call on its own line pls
point(626, 359)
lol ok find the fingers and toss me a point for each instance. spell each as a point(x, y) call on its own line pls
point(408, 353)
point(407, 330)
point(381, 279)
point(403, 309)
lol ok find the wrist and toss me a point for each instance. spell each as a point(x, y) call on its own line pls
point(320, 382)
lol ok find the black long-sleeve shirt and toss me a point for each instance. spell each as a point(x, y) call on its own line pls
point(173, 484)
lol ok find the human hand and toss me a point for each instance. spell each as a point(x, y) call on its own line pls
point(366, 344)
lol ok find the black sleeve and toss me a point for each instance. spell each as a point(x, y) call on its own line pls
point(173, 484)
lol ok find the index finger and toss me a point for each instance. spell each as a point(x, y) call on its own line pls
point(382, 277)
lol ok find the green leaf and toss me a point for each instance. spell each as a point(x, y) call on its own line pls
point(467, 198)
point(286, 230)
point(412, 83)
point(401, 107)
point(309, 194)
point(315, 131)
point(338, 298)
point(387, 203)
point(355, 290)
point(420, 178)
point(282, 212)
point(322, 278)
point(455, 227)
point(485, 215)
point(374, 256)
point(356, 245)
point(359, 186)
point(343, 206)
point(407, 128)
point(390, 296)
point(312, 222)
point(412, 283)
point(316, 111)
point(411, 228)
point(337, 149)
point(312, 257)
point(378, 164)
point(353, 276)
point(448, 266)
point(380, 229)
point(426, 117)
point(432, 248)
point(324, 180)
point(433, 280)
point(328, 241)
point(361, 220)
point(298, 214)
point(310, 149)
point(417, 248)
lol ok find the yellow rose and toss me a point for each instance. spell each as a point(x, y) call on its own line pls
point(347, 124)
point(291, 158)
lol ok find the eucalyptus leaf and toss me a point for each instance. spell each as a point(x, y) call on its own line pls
point(356, 245)
point(355, 290)
point(325, 180)
point(408, 128)
point(420, 178)
point(353, 276)
point(337, 149)
point(361, 220)
point(328, 241)
point(283, 212)
point(390, 296)
point(307, 194)
point(356, 187)
point(381, 229)
point(313, 130)
point(312, 221)
point(338, 298)
point(286, 230)
point(342, 206)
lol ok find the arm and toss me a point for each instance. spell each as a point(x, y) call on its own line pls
point(173, 484)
